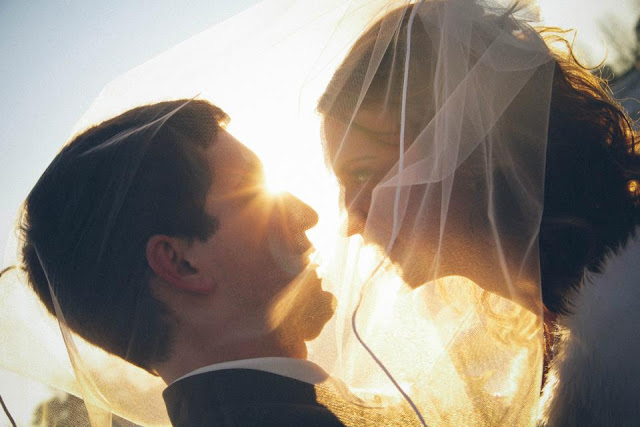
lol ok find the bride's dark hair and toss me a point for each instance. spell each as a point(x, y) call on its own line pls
point(592, 162)
point(591, 201)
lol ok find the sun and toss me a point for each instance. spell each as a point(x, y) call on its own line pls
point(293, 162)
point(276, 181)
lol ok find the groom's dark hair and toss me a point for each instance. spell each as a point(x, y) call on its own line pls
point(87, 221)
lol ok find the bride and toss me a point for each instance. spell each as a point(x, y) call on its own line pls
point(466, 144)
point(483, 172)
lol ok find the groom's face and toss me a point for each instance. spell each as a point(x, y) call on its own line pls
point(260, 251)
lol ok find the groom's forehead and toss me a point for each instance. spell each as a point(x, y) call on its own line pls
point(227, 152)
point(229, 160)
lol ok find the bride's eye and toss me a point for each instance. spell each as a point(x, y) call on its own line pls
point(360, 176)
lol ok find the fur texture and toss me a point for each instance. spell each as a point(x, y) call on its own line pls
point(594, 378)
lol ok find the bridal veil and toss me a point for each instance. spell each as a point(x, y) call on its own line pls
point(418, 132)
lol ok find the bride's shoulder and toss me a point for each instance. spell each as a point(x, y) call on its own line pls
point(595, 375)
point(607, 302)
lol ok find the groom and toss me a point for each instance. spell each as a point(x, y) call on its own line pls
point(153, 235)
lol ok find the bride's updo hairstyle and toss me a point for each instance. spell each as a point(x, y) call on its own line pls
point(592, 164)
point(87, 221)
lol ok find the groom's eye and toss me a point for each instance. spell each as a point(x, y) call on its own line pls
point(252, 182)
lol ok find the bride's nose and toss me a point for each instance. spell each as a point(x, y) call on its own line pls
point(356, 222)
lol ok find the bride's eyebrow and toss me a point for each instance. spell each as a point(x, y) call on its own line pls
point(365, 129)
point(377, 136)
point(356, 162)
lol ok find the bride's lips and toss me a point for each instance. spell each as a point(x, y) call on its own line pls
point(379, 233)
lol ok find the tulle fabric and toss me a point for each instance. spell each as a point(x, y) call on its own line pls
point(419, 135)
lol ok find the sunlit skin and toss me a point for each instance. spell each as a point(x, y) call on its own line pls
point(362, 155)
point(256, 258)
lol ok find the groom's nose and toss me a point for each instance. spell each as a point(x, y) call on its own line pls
point(299, 215)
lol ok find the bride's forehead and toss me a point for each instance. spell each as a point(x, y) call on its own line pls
point(369, 129)
point(379, 119)
point(373, 121)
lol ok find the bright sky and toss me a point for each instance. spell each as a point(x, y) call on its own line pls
point(58, 55)
point(589, 17)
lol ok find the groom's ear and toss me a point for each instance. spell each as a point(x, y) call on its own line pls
point(168, 258)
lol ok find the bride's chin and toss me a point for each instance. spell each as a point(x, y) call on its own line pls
point(414, 266)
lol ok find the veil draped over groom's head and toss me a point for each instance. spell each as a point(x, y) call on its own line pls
point(418, 132)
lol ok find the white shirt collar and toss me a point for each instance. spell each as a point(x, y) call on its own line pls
point(298, 369)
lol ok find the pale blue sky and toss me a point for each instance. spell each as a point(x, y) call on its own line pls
point(56, 57)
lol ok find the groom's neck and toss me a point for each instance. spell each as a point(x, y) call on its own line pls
point(186, 357)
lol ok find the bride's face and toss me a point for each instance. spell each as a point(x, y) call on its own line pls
point(424, 246)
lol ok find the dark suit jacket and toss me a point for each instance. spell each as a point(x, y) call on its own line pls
point(246, 397)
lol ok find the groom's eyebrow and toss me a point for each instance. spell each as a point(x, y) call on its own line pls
point(252, 162)
point(253, 168)
point(256, 168)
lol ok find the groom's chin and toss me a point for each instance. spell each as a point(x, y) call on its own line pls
point(319, 311)
point(307, 324)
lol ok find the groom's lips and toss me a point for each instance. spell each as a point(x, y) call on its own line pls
point(292, 255)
